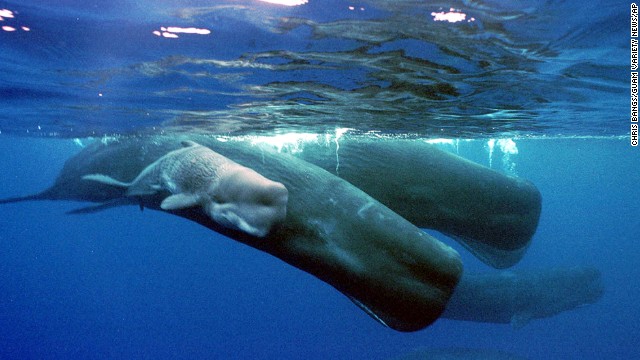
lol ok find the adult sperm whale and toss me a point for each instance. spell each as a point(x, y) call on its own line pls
point(491, 214)
point(393, 270)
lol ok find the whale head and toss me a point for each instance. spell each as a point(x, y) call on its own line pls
point(244, 200)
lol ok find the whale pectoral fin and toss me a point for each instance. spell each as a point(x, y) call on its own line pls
point(104, 179)
point(180, 201)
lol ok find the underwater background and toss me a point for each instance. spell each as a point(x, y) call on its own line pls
point(534, 89)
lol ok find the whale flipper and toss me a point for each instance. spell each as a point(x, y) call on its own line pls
point(180, 201)
point(132, 190)
point(104, 179)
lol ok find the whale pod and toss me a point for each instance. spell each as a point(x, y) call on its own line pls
point(393, 270)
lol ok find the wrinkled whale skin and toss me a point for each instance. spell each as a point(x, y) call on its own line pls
point(397, 273)
point(231, 194)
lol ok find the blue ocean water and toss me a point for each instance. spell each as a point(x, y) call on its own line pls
point(129, 284)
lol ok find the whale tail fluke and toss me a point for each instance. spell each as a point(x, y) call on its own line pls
point(104, 179)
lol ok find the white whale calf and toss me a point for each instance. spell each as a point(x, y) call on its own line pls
point(231, 194)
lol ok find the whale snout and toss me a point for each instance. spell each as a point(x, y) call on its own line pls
point(247, 201)
point(272, 194)
point(266, 198)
